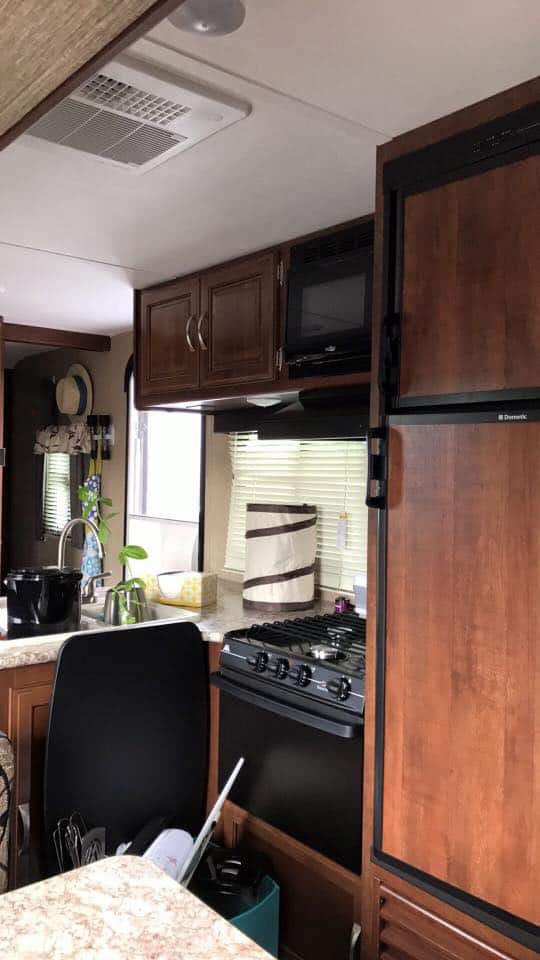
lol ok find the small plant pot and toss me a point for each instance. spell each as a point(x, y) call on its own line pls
point(123, 607)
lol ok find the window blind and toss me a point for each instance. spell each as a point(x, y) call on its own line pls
point(328, 473)
point(56, 492)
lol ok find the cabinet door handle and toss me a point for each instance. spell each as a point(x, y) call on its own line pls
point(189, 342)
point(199, 331)
point(24, 813)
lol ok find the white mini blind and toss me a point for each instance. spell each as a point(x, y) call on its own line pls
point(328, 473)
point(56, 492)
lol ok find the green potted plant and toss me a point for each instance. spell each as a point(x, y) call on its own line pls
point(126, 602)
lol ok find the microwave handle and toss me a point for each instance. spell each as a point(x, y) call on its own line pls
point(345, 729)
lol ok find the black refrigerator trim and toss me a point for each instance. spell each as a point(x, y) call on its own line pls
point(509, 925)
point(506, 140)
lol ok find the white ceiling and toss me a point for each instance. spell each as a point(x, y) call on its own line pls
point(327, 79)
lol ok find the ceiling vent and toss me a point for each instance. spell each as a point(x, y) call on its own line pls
point(136, 116)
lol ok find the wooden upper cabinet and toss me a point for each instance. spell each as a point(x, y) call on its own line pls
point(460, 745)
point(237, 330)
point(167, 358)
point(470, 318)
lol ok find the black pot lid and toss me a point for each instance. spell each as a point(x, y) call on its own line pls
point(44, 573)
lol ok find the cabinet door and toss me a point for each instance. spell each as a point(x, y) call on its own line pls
point(237, 323)
point(463, 285)
point(319, 900)
point(29, 698)
point(459, 749)
point(167, 358)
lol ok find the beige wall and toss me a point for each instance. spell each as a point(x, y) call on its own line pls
point(107, 371)
point(218, 480)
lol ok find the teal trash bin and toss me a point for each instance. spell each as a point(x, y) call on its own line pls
point(239, 887)
point(261, 921)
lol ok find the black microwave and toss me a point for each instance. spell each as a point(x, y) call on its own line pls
point(329, 293)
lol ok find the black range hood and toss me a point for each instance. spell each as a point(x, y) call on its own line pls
point(339, 414)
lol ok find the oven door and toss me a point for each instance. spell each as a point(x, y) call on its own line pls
point(302, 779)
point(329, 307)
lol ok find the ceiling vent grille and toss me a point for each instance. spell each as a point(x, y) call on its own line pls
point(136, 116)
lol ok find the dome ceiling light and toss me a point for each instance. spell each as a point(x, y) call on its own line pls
point(213, 18)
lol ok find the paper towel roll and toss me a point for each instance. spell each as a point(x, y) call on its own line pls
point(281, 542)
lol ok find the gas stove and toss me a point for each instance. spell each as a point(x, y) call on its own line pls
point(317, 659)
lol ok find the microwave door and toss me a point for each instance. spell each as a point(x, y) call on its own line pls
point(329, 306)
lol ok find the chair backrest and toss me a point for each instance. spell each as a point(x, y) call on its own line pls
point(6, 786)
point(128, 731)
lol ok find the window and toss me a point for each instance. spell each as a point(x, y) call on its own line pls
point(56, 506)
point(164, 487)
point(328, 473)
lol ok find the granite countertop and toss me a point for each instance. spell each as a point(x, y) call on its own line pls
point(123, 908)
point(213, 622)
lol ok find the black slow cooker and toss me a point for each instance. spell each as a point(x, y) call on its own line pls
point(43, 600)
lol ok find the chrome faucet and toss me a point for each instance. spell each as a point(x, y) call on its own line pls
point(88, 594)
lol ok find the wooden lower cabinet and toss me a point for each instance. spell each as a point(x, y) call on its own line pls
point(408, 931)
point(320, 901)
point(25, 693)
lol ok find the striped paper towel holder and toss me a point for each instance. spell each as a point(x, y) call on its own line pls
point(281, 542)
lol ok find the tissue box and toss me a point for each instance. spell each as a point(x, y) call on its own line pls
point(194, 590)
point(198, 589)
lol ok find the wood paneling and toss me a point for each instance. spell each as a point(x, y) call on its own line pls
point(213, 651)
point(471, 284)
point(319, 900)
point(238, 320)
point(462, 701)
point(48, 49)
point(166, 355)
point(50, 337)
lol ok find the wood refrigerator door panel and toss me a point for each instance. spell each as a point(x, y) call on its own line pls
point(461, 758)
point(470, 317)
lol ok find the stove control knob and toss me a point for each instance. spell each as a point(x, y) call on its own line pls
point(258, 662)
point(279, 668)
point(301, 675)
point(340, 689)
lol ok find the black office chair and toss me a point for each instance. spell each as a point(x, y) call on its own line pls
point(128, 731)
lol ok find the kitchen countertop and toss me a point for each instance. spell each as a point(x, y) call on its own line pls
point(123, 908)
point(213, 622)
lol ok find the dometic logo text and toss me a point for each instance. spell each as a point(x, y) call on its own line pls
point(513, 416)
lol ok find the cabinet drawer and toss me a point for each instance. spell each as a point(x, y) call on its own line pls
point(408, 932)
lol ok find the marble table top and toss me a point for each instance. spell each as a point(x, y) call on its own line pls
point(123, 908)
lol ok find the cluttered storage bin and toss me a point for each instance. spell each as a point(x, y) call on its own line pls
point(239, 888)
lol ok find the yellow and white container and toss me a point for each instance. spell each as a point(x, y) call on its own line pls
point(187, 588)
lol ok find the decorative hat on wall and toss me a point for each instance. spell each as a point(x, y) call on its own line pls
point(75, 393)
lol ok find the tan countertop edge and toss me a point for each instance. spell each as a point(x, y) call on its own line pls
point(122, 908)
point(213, 622)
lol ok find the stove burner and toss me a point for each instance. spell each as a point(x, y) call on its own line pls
point(322, 652)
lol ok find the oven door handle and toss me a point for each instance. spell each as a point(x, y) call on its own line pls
point(345, 729)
